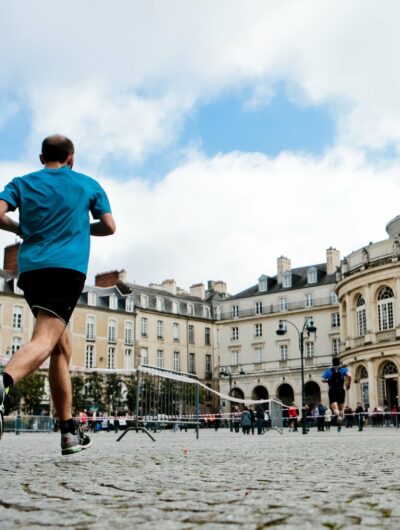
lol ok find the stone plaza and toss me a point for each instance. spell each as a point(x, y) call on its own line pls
point(221, 480)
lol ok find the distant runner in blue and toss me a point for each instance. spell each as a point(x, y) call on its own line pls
point(338, 378)
point(54, 204)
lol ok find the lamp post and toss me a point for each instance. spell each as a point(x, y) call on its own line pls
point(225, 372)
point(308, 327)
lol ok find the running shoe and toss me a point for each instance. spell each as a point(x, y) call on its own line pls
point(340, 418)
point(84, 440)
point(70, 444)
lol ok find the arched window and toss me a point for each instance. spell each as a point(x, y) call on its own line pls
point(389, 369)
point(385, 309)
point(363, 373)
point(361, 316)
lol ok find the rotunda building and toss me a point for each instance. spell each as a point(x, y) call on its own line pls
point(368, 290)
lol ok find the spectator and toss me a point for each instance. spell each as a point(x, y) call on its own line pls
point(246, 421)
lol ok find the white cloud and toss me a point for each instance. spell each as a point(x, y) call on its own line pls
point(106, 68)
point(230, 217)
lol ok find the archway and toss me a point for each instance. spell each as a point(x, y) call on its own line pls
point(236, 393)
point(286, 394)
point(389, 384)
point(312, 393)
point(260, 392)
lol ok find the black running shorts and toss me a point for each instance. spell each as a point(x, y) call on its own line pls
point(336, 395)
point(54, 290)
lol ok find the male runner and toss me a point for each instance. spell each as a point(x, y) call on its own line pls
point(54, 205)
point(337, 377)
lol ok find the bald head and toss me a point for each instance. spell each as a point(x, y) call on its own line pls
point(57, 148)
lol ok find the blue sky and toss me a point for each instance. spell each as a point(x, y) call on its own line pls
point(226, 134)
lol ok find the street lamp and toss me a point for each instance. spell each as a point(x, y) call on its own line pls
point(308, 327)
point(225, 372)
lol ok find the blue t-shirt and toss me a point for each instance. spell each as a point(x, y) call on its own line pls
point(328, 373)
point(54, 206)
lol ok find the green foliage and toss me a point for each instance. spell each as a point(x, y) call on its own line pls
point(130, 397)
point(27, 394)
point(78, 387)
point(114, 393)
point(95, 390)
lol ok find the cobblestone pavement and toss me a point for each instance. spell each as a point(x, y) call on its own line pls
point(223, 480)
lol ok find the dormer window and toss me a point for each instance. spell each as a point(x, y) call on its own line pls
point(190, 309)
point(312, 275)
point(159, 304)
point(91, 298)
point(206, 312)
point(144, 301)
point(287, 279)
point(113, 302)
point(263, 283)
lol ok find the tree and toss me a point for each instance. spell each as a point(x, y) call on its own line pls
point(130, 396)
point(78, 386)
point(27, 395)
point(95, 390)
point(114, 395)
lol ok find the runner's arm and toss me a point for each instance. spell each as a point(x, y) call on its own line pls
point(6, 223)
point(104, 227)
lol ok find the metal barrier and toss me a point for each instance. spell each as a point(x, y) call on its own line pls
point(165, 397)
point(20, 424)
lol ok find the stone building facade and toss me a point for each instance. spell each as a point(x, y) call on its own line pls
point(369, 297)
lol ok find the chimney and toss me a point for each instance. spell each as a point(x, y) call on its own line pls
point(198, 290)
point(220, 287)
point(108, 279)
point(284, 265)
point(169, 286)
point(11, 258)
point(332, 260)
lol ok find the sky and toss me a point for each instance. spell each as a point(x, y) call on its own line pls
point(226, 134)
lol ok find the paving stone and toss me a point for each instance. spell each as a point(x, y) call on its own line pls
point(222, 480)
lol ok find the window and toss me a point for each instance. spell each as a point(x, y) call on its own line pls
point(235, 357)
point(18, 312)
point(361, 315)
point(287, 279)
point(15, 344)
point(263, 283)
point(144, 356)
point(113, 302)
point(90, 327)
point(207, 336)
point(217, 312)
point(144, 326)
point(129, 305)
point(89, 356)
point(190, 309)
point(258, 330)
point(111, 358)
point(159, 304)
point(258, 355)
point(160, 329)
point(235, 333)
point(235, 311)
point(177, 361)
point(385, 309)
point(112, 330)
point(208, 365)
point(160, 359)
point(92, 299)
point(144, 301)
point(309, 349)
point(335, 320)
point(128, 359)
point(258, 308)
point(283, 304)
point(308, 300)
point(312, 275)
point(335, 346)
point(192, 363)
point(128, 332)
point(175, 332)
point(191, 334)
point(206, 312)
point(333, 297)
point(283, 350)
point(174, 307)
